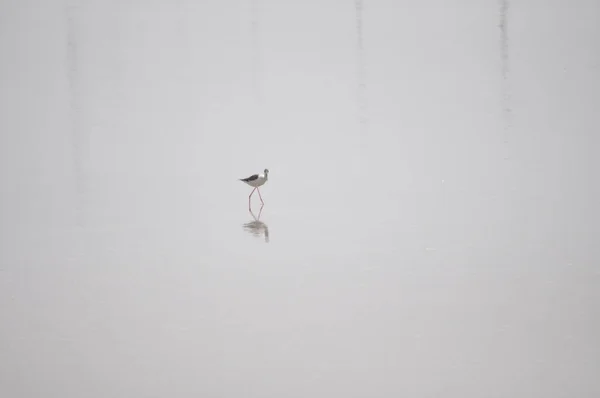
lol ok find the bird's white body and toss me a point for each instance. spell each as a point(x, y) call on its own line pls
point(258, 182)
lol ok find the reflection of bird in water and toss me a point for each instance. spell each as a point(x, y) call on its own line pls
point(257, 227)
point(256, 181)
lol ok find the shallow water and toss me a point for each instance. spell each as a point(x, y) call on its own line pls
point(429, 226)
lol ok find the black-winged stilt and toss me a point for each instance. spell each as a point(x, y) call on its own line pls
point(256, 181)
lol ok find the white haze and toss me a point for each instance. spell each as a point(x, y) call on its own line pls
point(431, 209)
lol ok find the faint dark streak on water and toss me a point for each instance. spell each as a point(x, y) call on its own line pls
point(256, 53)
point(361, 66)
point(504, 53)
point(77, 138)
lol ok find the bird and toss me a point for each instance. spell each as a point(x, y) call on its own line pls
point(256, 180)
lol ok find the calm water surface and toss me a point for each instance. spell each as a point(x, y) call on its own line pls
point(429, 227)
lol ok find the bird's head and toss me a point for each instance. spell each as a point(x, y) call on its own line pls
point(266, 171)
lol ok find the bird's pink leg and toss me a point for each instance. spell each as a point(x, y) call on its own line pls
point(249, 199)
point(252, 214)
point(260, 212)
point(261, 201)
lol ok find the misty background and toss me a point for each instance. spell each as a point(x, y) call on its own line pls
point(429, 228)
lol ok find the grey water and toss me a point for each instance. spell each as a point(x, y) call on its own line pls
point(429, 228)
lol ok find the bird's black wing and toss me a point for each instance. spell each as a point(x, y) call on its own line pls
point(251, 178)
